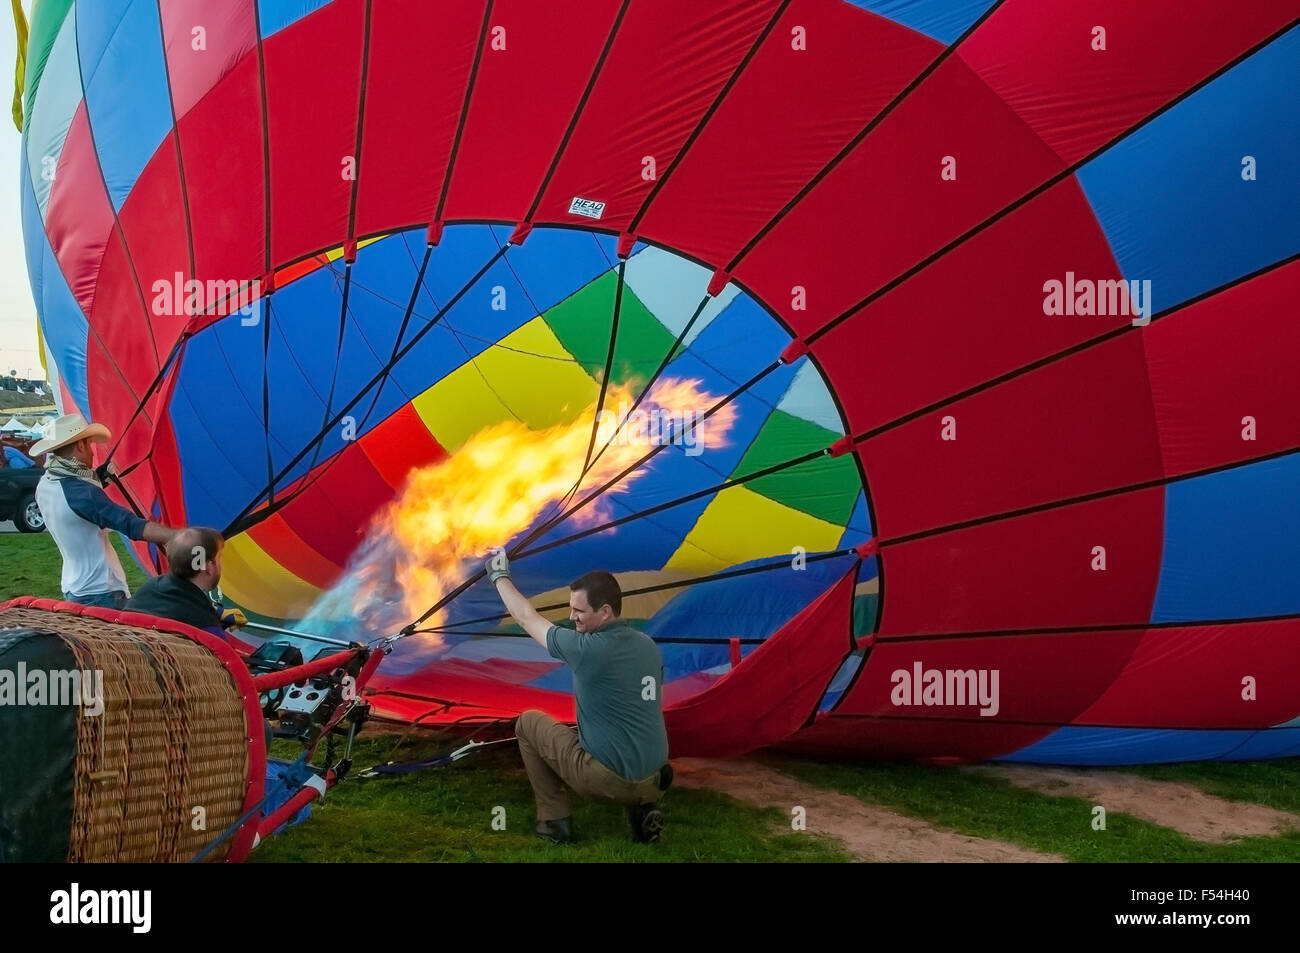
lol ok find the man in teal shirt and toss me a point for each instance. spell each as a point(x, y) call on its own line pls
point(619, 751)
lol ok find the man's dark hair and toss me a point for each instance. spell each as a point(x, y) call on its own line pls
point(601, 588)
point(186, 547)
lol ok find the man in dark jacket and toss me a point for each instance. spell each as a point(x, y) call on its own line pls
point(182, 593)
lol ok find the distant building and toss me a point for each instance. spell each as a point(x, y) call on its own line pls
point(20, 395)
point(23, 385)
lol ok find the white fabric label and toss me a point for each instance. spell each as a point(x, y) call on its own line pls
point(589, 208)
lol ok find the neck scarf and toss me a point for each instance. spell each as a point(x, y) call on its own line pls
point(62, 468)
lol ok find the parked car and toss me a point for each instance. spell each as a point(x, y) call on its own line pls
point(18, 498)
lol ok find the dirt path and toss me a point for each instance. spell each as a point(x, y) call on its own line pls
point(1182, 807)
point(867, 832)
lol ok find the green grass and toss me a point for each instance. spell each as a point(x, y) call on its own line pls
point(1273, 784)
point(445, 814)
point(32, 566)
point(976, 803)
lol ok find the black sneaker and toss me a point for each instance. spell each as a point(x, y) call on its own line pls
point(559, 831)
point(646, 821)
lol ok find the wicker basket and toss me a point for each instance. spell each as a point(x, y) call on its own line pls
point(170, 762)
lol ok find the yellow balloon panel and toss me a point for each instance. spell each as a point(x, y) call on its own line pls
point(257, 582)
point(740, 525)
point(531, 376)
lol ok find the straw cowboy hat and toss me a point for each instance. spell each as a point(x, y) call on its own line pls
point(69, 429)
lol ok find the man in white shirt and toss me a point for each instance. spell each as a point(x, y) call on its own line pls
point(79, 514)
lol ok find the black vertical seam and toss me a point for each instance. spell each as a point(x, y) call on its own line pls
point(266, 142)
point(464, 112)
point(266, 396)
point(578, 110)
point(309, 479)
point(361, 118)
point(108, 196)
point(708, 114)
point(866, 130)
point(176, 140)
point(609, 367)
point(338, 358)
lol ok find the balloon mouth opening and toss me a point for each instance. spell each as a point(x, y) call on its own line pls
point(584, 409)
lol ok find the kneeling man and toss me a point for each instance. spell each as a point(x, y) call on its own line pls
point(619, 751)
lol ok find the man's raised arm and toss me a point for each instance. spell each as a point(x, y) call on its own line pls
point(520, 609)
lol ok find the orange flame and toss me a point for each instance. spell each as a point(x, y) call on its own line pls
point(496, 485)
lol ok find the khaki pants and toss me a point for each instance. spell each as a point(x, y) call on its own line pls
point(554, 758)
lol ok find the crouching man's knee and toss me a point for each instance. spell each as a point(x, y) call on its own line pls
point(527, 723)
